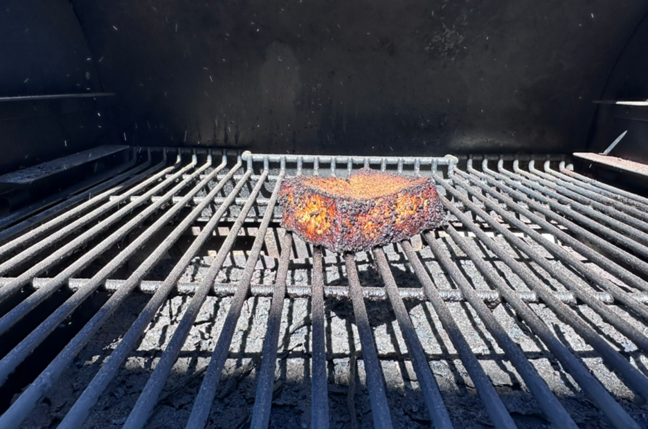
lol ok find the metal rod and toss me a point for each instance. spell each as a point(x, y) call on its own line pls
point(609, 215)
point(38, 335)
point(499, 414)
point(344, 159)
point(630, 374)
point(600, 185)
point(57, 96)
point(265, 386)
point(69, 229)
point(575, 285)
point(615, 196)
point(513, 157)
point(319, 386)
point(70, 214)
point(81, 409)
point(28, 400)
point(530, 188)
point(45, 215)
point(29, 303)
point(253, 177)
point(597, 201)
point(592, 387)
point(66, 195)
point(579, 287)
point(429, 386)
point(197, 200)
point(547, 401)
point(148, 398)
point(207, 392)
point(373, 370)
point(619, 254)
point(615, 142)
point(373, 293)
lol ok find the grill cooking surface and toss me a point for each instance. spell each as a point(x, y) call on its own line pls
point(170, 297)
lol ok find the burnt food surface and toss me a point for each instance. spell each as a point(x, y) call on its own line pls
point(370, 208)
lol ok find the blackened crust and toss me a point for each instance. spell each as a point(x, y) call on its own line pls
point(314, 211)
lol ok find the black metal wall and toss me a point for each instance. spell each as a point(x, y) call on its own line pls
point(628, 81)
point(43, 51)
point(379, 77)
point(367, 77)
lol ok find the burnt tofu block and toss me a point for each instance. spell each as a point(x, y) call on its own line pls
point(370, 208)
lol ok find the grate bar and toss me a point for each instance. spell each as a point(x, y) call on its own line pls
point(197, 200)
point(630, 374)
point(528, 187)
point(252, 177)
point(39, 387)
point(619, 254)
point(38, 335)
point(597, 201)
point(616, 196)
point(578, 287)
point(319, 385)
point(496, 409)
point(265, 386)
point(29, 303)
point(70, 214)
point(345, 160)
point(90, 395)
point(67, 249)
point(429, 386)
point(373, 293)
point(547, 401)
point(620, 193)
point(581, 374)
point(147, 400)
point(604, 214)
point(65, 198)
point(375, 381)
point(207, 392)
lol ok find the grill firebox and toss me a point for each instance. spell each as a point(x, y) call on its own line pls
point(168, 296)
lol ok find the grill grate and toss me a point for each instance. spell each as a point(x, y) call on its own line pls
point(549, 264)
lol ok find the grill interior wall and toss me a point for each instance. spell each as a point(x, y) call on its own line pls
point(569, 254)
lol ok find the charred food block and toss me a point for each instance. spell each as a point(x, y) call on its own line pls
point(370, 208)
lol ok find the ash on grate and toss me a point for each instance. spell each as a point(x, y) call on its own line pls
point(348, 395)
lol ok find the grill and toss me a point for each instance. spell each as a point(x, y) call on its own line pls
point(167, 295)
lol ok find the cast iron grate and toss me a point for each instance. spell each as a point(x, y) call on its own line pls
point(539, 256)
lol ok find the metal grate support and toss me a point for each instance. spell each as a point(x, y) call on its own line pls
point(546, 256)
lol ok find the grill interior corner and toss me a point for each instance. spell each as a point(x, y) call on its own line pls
point(250, 215)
